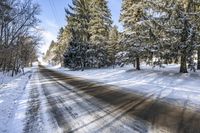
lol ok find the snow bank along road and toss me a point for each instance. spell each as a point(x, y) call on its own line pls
point(62, 103)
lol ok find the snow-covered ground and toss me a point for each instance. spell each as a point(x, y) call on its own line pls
point(176, 88)
point(6, 77)
point(19, 95)
point(11, 91)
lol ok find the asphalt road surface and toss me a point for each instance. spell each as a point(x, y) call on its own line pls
point(77, 105)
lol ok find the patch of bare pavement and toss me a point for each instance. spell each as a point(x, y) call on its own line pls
point(78, 105)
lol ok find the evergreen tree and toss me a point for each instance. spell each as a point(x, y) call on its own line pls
point(55, 53)
point(158, 47)
point(78, 21)
point(100, 21)
point(78, 18)
point(62, 41)
point(178, 21)
point(99, 26)
point(132, 17)
point(126, 5)
point(50, 53)
point(60, 33)
point(75, 55)
point(113, 45)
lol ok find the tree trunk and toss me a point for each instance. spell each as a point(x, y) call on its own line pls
point(183, 67)
point(134, 62)
point(198, 62)
point(138, 63)
point(4, 65)
point(31, 63)
point(61, 62)
point(14, 67)
point(82, 65)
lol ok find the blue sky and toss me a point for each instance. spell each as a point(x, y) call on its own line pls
point(53, 17)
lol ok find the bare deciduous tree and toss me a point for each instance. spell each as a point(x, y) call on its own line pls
point(17, 43)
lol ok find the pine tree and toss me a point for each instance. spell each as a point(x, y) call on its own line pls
point(78, 21)
point(62, 44)
point(132, 17)
point(126, 5)
point(99, 26)
point(50, 54)
point(75, 56)
point(100, 22)
point(60, 33)
point(177, 20)
point(157, 45)
point(113, 45)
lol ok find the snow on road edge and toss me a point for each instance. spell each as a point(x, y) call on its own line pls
point(10, 94)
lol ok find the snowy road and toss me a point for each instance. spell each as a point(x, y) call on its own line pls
point(61, 103)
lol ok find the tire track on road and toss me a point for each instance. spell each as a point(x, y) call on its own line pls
point(150, 108)
point(114, 114)
point(33, 120)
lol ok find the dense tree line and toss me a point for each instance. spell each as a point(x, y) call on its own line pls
point(161, 31)
point(91, 37)
point(155, 31)
point(18, 41)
